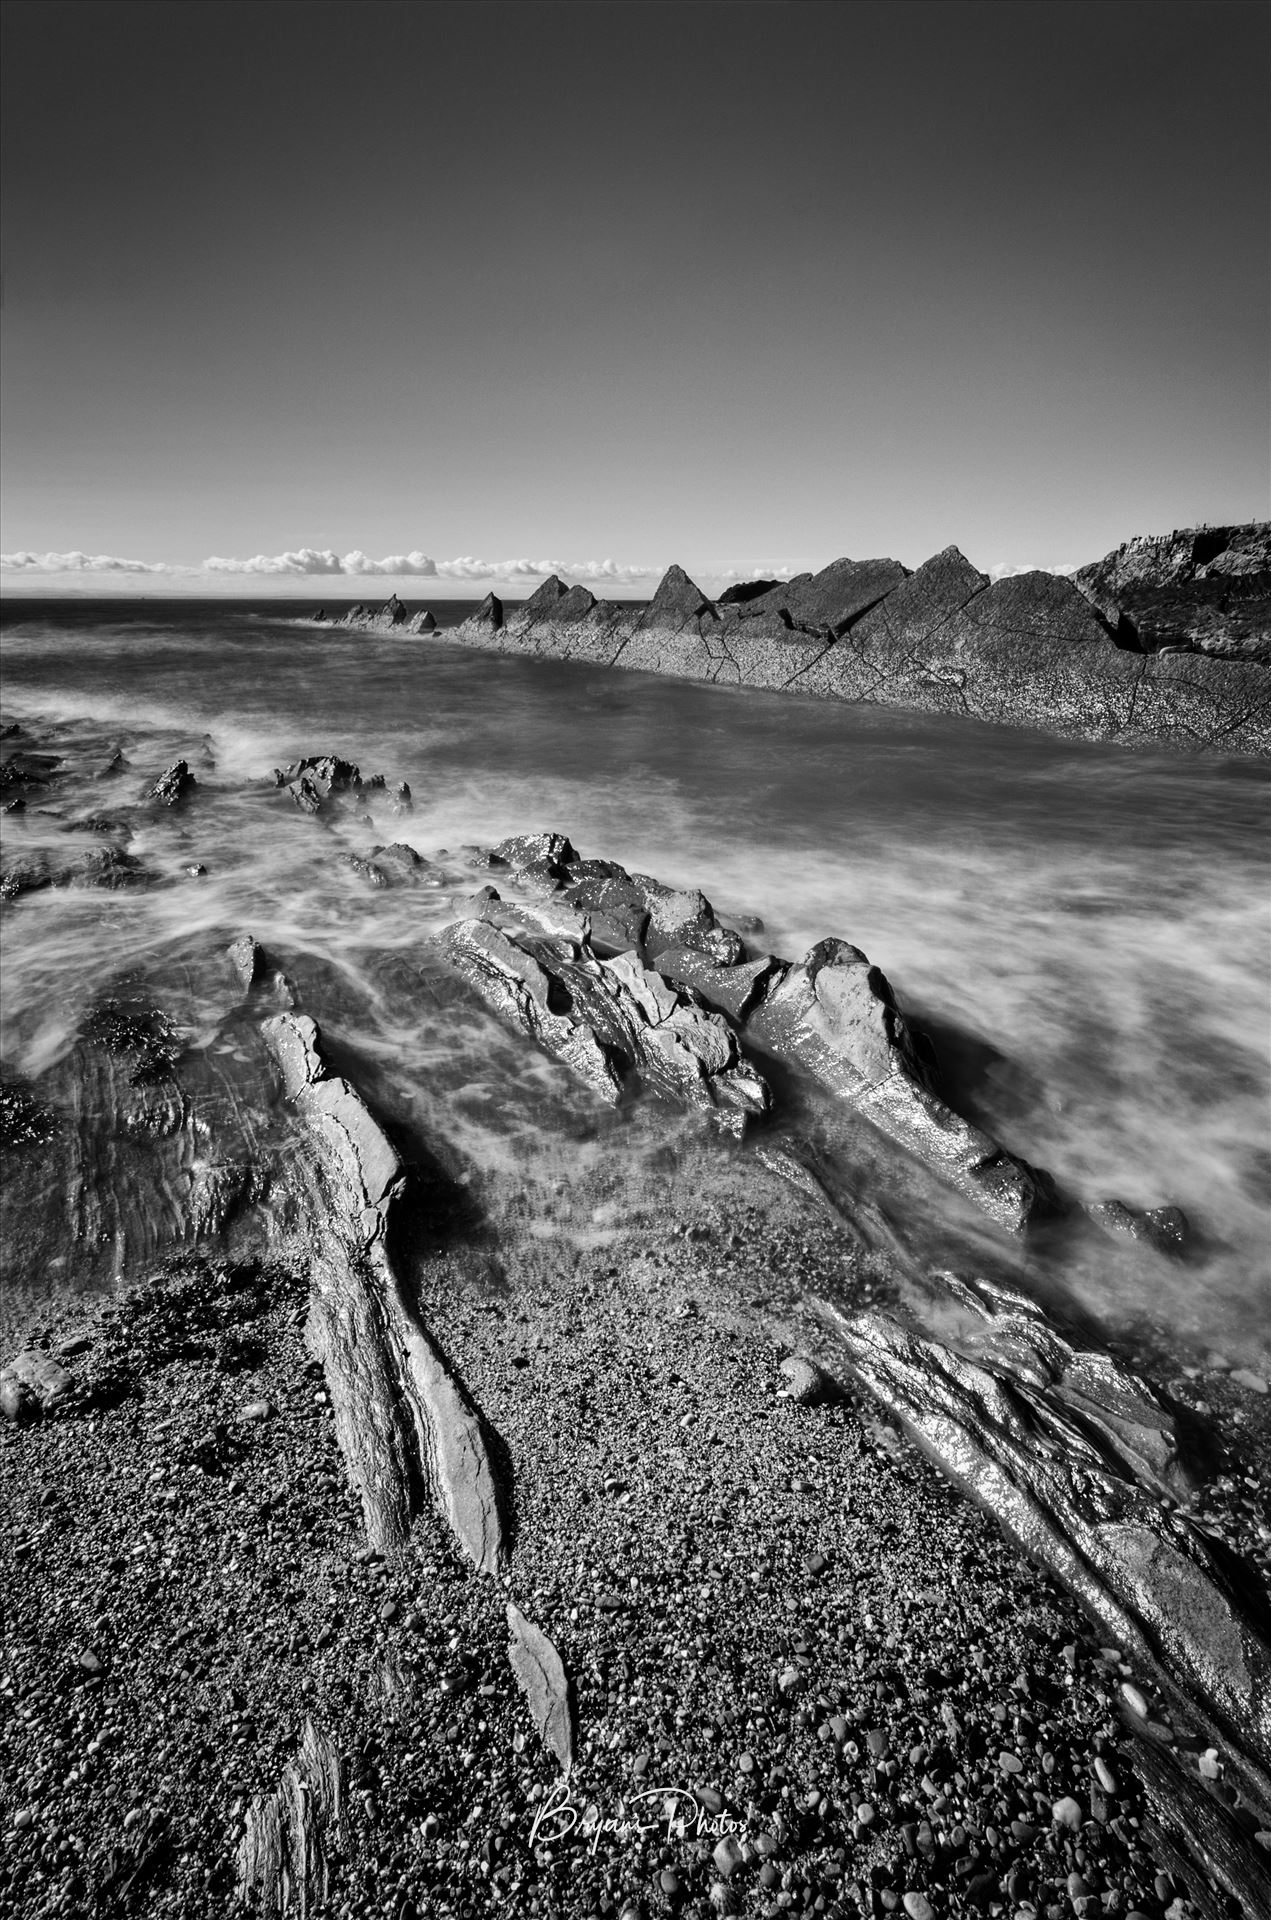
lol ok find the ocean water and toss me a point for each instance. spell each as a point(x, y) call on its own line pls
point(1086, 930)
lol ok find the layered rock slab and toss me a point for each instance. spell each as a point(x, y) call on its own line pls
point(608, 1019)
point(292, 1834)
point(541, 1676)
point(1075, 1456)
point(401, 1419)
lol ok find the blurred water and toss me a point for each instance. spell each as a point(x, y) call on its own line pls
point(1097, 919)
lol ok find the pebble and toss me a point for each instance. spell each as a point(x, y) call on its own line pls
point(1106, 1778)
point(256, 1410)
point(1134, 1699)
point(1246, 1377)
point(708, 1798)
point(815, 1564)
point(1067, 1813)
point(918, 1907)
point(388, 1611)
point(24, 1819)
point(669, 1881)
point(745, 1763)
point(805, 1382)
point(727, 1856)
point(866, 1814)
point(1010, 1762)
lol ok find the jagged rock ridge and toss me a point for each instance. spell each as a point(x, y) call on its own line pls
point(1164, 642)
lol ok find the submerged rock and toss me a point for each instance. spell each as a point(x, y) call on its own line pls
point(95, 867)
point(1164, 1228)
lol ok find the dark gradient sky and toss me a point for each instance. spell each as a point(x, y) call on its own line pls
point(730, 284)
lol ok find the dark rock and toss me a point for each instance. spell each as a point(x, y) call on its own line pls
point(829, 601)
point(836, 1016)
point(744, 591)
point(173, 786)
point(395, 611)
point(424, 623)
point(543, 599)
point(677, 603)
point(96, 867)
point(1204, 588)
point(490, 612)
point(315, 782)
point(1164, 1228)
point(394, 866)
point(573, 605)
point(24, 1120)
point(321, 614)
point(609, 1018)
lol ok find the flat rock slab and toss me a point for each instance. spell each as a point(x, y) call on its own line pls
point(541, 1676)
point(291, 1834)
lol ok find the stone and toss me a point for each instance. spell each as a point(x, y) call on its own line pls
point(1164, 1228)
point(806, 1383)
point(292, 1835)
point(173, 786)
point(256, 1412)
point(34, 1383)
point(541, 1677)
point(490, 612)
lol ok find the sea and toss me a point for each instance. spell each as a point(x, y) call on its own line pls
point(1085, 929)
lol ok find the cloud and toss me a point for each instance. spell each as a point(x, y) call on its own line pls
point(303, 560)
point(731, 575)
point(76, 563)
point(314, 560)
point(1006, 570)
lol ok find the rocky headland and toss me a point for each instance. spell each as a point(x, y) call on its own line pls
point(395, 1537)
point(1166, 642)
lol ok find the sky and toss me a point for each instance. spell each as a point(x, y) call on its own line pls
point(342, 298)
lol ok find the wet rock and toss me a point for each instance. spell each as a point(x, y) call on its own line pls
point(24, 1120)
point(1164, 1228)
point(1073, 1455)
point(107, 867)
point(140, 1032)
point(835, 1015)
point(608, 1019)
point(173, 786)
point(322, 781)
point(397, 865)
point(251, 964)
point(541, 1677)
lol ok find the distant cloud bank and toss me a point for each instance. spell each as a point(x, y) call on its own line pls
point(398, 566)
point(76, 563)
point(319, 562)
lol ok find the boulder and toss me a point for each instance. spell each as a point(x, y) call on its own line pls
point(315, 782)
point(395, 866)
point(33, 1383)
point(395, 611)
point(425, 622)
point(490, 612)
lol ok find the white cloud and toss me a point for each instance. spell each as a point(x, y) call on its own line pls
point(398, 564)
point(1006, 570)
point(76, 563)
point(303, 560)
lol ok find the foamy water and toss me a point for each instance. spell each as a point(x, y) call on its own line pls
point(1097, 923)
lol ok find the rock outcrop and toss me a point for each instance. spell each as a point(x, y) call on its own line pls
point(1200, 590)
point(173, 786)
point(621, 976)
point(401, 1418)
point(1079, 1461)
point(1083, 660)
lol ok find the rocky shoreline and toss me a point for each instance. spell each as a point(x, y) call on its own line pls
point(1164, 643)
point(386, 1545)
